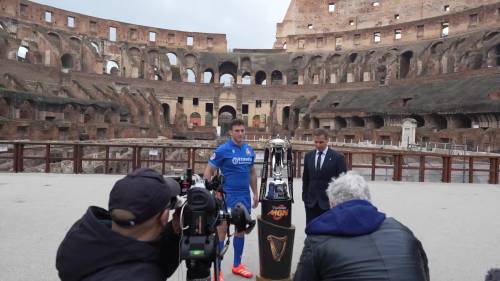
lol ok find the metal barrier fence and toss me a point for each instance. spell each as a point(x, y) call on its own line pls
point(77, 158)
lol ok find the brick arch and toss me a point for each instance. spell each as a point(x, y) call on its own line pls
point(26, 111)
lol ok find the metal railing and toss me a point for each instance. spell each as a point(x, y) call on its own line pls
point(80, 157)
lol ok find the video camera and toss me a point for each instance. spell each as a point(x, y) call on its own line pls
point(203, 209)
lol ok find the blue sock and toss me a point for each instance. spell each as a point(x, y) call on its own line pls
point(221, 246)
point(238, 244)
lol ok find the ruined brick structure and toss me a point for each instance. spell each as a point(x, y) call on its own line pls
point(357, 68)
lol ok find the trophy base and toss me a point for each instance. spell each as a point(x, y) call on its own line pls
point(260, 278)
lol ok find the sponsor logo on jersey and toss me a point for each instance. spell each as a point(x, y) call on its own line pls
point(242, 160)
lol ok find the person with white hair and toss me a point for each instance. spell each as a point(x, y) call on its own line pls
point(354, 241)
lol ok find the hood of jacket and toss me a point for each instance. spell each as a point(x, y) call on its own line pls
point(90, 245)
point(351, 218)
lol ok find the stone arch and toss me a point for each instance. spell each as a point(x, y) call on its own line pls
point(315, 69)
point(26, 110)
point(462, 121)
point(172, 58)
point(276, 77)
point(208, 76)
point(405, 64)
point(381, 74)
point(4, 108)
point(71, 114)
point(298, 62)
point(377, 121)
point(226, 114)
point(135, 52)
point(437, 48)
point(112, 68)
point(195, 119)
point(436, 121)
point(339, 122)
point(420, 120)
point(286, 117)
point(67, 61)
point(22, 53)
point(190, 76)
point(89, 115)
point(166, 114)
point(54, 38)
point(246, 78)
point(292, 77)
point(260, 78)
point(227, 72)
point(357, 121)
point(108, 116)
point(191, 61)
point(75, 40)
point(95, 48)
point(246, 64)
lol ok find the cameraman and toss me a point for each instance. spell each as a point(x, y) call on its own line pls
point(133, 241)
point(235, 159)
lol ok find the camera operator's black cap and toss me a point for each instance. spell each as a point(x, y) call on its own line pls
point(144, 193)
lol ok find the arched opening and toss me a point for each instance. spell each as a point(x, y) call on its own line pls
point(172, 58)
point(191, 76)
point(2, 25)
point(176, 74)
point(158, 77)
point(292, 77)
point(378, 122)
point(339, 122)
point(95, 48)
point(497, 53)
point(112, 68)
point(246, 78)
point(226, 114)
point(54, 38)
point(404, 67)
point(353, 57)
point(276, 78)
point(89, 115)
point(357, 122)
point(286, 117)
point(26, 111)
point(22, 53)
point(315, 122)
point(381, 74)
point(227, 80)
point(420, 120)
point(462, 121)
point(195, 119)
point(437, 122)
point(4, 108)
point(227, 68)
point(67, 61)
point(260, 78)
point(437, 48)
point(208, 76)
point(166, 114)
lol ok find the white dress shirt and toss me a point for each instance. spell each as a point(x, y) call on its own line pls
point(323, 155)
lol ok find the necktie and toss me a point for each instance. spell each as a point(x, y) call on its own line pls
point(318, 161)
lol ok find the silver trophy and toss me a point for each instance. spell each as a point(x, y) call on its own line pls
point(278, 152)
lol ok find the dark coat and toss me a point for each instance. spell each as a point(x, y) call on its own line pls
point(314, 184)
point(91, 251)
point(353, 241)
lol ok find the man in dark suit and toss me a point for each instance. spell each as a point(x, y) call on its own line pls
point(320, 166)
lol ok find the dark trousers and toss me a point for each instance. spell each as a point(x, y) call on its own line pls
point(312, 213)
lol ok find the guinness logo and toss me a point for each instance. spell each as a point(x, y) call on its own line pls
point(278, 246)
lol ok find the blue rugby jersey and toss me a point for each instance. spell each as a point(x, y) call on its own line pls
point(235, 163)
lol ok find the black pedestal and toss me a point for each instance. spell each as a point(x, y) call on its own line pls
point(276, 237)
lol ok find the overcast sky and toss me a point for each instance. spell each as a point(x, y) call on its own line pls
point(247, 23)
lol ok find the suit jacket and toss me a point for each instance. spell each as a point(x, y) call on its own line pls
point(314, 184)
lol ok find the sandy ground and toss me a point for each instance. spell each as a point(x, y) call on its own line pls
point(458, 224)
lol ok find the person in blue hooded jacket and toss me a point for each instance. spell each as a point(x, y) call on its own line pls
point(354, 241)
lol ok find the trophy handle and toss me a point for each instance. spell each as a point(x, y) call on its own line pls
point(263, 176)
point(289, 161)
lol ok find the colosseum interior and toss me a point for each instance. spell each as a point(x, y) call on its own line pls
point(357, 68)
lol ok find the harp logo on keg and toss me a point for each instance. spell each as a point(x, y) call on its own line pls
point(278, 212)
